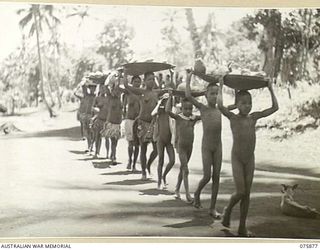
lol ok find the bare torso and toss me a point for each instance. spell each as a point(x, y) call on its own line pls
point(244, 137)
point(102, 104)
point(133, 106)
point(211, 123)
point(164, 127)
point(185, 133)
point(115, 110)
point(148, 101)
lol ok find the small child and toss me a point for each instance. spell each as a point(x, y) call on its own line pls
point(163, 137)
point(242, 154)
point(185, 126)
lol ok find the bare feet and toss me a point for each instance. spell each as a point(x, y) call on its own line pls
point(214, 214)
point(177, 194)
point(197, 203)
point(189, 199)
point(225, 218)
point(144, 176)
point(129, 166)
point(245, 233)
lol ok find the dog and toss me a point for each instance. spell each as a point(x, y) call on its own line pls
point(290, 207)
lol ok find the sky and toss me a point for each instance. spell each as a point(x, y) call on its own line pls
point(146, 21)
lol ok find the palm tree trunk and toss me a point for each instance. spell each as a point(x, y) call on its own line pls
point(194, 34)
point(35, 9)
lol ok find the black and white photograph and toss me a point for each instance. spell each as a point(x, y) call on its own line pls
point(159, 121)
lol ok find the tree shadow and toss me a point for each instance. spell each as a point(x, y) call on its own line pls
point(155, 192)
point(130, 182)
point(66, 133)
point(284, 169)
point(200, 219)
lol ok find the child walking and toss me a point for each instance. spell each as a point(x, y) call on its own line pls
point(185, 132)
point(242, 154)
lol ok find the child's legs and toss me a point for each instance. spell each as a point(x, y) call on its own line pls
point(184, 156)
point(180, 177)
point(114, 143)
point(130, 152)
point(143, 157)
point(239, 180)
point(152, 156)
point(207, 159)
point(135, 156)
point(244, 205)
point(217, 160)
point(160, 148)
point(171, 156)
point(81, 129)
point(107, 143)
point(98, 142)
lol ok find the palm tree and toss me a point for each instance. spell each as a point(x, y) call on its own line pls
point(35, 18)
point(195, 37)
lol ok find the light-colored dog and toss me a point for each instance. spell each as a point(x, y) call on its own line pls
point(292, 208)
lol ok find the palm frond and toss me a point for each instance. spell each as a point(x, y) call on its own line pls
point(32, 30)
point(24, 21)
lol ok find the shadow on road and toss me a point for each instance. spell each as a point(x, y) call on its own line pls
point(200, 219)
point(131, 182)
point(154, 191)
point(101, 165)
point(77, 152)
point(72, 134)
point(128, 172)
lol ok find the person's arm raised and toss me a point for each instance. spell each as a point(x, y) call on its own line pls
point(224, 110)
point(269, 111)
point(136, 91)
point(188, 91)
point(169, 107)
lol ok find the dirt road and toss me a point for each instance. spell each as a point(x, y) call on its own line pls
point(49, 187)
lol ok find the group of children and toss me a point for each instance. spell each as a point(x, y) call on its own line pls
point(150, 119)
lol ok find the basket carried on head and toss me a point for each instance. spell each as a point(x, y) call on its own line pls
point(140, 68)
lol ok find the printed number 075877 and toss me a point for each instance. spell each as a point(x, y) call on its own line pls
point(308, 246)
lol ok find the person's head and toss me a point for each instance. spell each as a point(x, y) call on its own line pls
point(136, 81)
point(186, 107)
point(149, 80)
point(212, 94)
point(244, 102)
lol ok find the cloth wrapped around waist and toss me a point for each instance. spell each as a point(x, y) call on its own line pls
point(111, 130)
point(145, 130)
